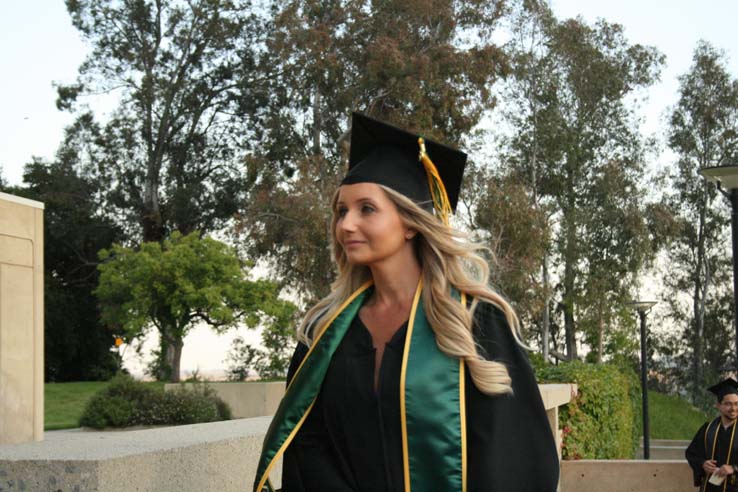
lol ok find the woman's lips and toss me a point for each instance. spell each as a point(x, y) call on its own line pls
point(352, 244)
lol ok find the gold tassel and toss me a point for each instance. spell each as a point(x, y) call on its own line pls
point(438, 190)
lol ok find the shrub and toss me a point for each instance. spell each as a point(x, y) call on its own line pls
point(189, 406)
point(126, 402)
point(603, 421)
point(106, 411)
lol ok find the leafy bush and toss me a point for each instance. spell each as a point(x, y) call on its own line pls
point(604, 420)
point(126, 402)
point(106, 411)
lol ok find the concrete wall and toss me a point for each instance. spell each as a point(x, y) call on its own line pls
point(220, 456)
point(215, 457)
point(626, 476)
point(554, 396)
point(247, 399)
point(256, 399)
point(21, 320)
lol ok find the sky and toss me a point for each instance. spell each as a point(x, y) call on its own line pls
point(39, 46)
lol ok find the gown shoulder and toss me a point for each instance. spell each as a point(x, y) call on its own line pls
point(508, 432)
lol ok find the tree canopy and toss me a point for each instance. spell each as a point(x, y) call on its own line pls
point(173, 285)
point(703, 132)
point(430, 71)
point(575, 142)
point(231, 118)
point(169, 156)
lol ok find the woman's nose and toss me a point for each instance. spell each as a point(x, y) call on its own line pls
point(347, 221)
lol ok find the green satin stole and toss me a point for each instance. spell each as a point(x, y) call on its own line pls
point(432, 405)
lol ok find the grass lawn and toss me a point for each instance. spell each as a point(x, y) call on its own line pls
point(671, 417)
point(65, 402)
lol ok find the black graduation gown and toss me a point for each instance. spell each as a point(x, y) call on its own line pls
point(697, 453)
point(351, 441)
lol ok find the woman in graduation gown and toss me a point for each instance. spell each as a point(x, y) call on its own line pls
point(409, 375)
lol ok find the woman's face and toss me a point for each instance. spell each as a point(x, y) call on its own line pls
point(368, 225)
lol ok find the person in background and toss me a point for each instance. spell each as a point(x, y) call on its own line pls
point(410, 375)
point(713, 452)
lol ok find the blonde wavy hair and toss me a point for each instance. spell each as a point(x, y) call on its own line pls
point(447, 258)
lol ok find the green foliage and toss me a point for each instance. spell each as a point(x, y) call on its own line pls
point(429, 72)
point(168, 156)
point(702, 132)
point(672, 417)
point(175, 284)
point(603, 421)
point(516, 231)
point(65, 402)
point(126, 402)
point(277, 338)
point(106, 411)
point(575, 145)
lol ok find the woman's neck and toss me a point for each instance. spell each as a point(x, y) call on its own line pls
point(395, 283)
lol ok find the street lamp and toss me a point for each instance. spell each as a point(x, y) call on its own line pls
point(643, 307)
point(726, 178)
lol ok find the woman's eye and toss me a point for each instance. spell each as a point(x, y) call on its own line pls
point(341, 211)
point(367, 209)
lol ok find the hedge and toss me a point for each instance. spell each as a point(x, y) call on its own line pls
point(126, 402)
point(604, 420)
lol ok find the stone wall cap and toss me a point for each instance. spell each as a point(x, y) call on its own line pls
point(555, 395)
point(21, 201)
point(80, 445)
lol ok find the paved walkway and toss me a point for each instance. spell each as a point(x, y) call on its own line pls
point(664, 449)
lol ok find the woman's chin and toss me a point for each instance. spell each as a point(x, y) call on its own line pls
point(357, 259)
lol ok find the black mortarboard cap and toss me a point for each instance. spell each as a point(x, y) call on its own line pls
point(726, 387)
point(387, 155)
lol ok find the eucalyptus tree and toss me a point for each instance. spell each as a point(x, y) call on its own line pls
point(422, 65)
point(703, 132)
point(573, 124)
point(182, 82)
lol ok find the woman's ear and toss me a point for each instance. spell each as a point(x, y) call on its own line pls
point(410, 233)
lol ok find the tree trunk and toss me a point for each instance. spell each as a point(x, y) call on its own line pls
point(698, 301)
point(546, 322)
point(176, 348)
point(600, 336)
point(568, 300)
point(151, 217)
point(570, 262)
point(317, 122)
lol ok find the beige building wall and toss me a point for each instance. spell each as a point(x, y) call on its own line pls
point(21, 320)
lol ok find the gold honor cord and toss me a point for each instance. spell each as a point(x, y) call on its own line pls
point(403, 374)
point(730, 449)
point(462, 411)
point(437, 189)
point(265, 484)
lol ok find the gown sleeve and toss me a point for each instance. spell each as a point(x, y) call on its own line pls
point(695, 454)
point(511, 446)
point(309, 462)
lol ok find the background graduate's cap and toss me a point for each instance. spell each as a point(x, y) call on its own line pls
point(726, 387)
point(427, 172)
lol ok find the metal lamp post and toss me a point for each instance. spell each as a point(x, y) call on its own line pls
point(726, 178)
point(643, 307)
